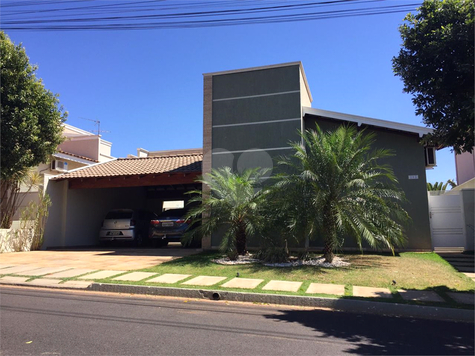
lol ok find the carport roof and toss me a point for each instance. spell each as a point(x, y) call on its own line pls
point(176, 163)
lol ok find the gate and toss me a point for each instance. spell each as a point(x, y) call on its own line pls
point(447, 223)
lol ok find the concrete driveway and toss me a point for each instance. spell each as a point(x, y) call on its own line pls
point(110, 259)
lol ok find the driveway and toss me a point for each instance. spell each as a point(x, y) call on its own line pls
point(111, 259)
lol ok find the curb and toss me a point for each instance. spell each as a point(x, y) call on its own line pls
point(345, 305)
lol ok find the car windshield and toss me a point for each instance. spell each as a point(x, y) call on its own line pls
point(119, 214)
point(175, 213)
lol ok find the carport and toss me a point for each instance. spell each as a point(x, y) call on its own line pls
point(82, 197)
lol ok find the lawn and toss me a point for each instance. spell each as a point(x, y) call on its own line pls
point(409, 270)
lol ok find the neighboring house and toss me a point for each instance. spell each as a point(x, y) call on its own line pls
point(452, 214)
point(249, 118)
point(465, 167)
point(79, 149)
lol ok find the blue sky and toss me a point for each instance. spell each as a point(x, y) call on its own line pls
point(146, 86)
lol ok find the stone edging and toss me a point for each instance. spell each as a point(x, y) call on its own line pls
point(353, 306)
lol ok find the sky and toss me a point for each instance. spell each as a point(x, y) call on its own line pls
point(146, 86)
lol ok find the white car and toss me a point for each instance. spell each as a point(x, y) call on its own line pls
point(126, 225)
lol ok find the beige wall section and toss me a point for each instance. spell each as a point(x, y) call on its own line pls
point(104, 151)
point(87, 147)
point(207, 138)
point(305, 95)
point(465, 167)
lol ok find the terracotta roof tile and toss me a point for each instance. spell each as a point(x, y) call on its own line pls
point(78, 156)
point(186, 163)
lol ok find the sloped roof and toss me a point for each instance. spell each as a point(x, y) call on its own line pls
point(178, 163)
point(65, 155)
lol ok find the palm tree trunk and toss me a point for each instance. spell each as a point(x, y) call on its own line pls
point(328, 251)
point(241, 240)
point(329, 224)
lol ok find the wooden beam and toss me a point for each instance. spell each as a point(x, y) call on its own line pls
point(134, 181)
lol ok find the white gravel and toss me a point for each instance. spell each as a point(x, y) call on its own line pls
point(319, 262)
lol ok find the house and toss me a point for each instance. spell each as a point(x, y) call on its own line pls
point(79, 149)
point(249, 117)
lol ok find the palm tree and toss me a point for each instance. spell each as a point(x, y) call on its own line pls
point(347, 192)
point(440, 186)
point(232, 205)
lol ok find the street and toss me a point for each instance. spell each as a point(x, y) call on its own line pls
point(40, 321)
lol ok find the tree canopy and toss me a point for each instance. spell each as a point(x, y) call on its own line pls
point(31, 116)
point(346, 190)
point(232, 205)
point(436, 64)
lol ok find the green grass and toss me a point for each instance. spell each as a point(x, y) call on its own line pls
point(410, 271)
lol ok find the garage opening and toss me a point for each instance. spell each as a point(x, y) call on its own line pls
point(82, 198)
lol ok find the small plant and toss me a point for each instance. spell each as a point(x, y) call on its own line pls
point(274, 254)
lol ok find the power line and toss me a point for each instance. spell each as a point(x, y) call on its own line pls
point(53, 16)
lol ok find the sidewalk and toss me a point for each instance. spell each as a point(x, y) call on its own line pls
point(184, 285)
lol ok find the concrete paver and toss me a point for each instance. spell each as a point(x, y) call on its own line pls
point(246, 283)
point(77, 284)
point(169, 278)
point(101, 274)
point(134, 276)
point(335, 289)
point(18, 269)
point(13, 280)
point(204, 281)
point(5, 266)
point(371, 292)
point(74, 272)
point(283, 286)
point(463, 298)
point(45, 282)
point(42, 271)
point(420, 295)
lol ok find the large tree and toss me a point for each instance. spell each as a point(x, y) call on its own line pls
point(345, 189)
point(31, 121)
point(436, 64)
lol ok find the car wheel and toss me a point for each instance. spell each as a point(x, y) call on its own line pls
point(138, 240)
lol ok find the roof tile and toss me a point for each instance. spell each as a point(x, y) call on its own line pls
point(186, 163)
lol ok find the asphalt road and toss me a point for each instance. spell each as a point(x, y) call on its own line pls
point(45, 322)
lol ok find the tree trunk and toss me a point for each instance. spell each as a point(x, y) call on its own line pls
point(329, 223)
point(241, 240)
point(328, 251)
point(8, 205)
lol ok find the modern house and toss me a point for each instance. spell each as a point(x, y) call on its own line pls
point(249, 118)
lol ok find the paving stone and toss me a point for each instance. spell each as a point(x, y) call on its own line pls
point(462, 298)
point(13, 280)
point(101, 274)
point(336, 289)
point(468, 274)
point(74, 272)
point(169, 278)
point(44, 282)
point(4, 266)
point(246, 283)
point(284, 286)
point(204, 281)
point(371, 292)
point(134, 276)
point(42, 271)
point(77, 284)
point(18, 269)
point(421, 295)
